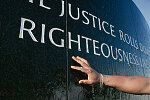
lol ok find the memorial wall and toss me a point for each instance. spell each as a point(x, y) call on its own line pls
point(39, 37)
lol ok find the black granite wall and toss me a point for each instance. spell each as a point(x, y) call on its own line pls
point(39, 37)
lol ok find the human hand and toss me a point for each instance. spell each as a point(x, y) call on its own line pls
point(93, 76)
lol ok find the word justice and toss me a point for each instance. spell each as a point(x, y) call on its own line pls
point(87, 18)
point(98, 49)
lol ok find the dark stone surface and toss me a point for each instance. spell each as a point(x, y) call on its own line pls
point(32, 70)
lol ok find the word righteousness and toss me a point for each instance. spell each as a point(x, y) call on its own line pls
point(88, 19)
point(98, 49)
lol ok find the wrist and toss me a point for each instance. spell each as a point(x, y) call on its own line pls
point(105, 80)
point(101, 80)
point(98, 78)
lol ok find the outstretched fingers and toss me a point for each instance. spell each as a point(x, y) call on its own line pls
point(82, 59)
point(82, 63)
point(80, 69)
point(85, 82)
point(77, 60)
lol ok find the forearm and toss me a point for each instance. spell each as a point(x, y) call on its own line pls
point(131, 84)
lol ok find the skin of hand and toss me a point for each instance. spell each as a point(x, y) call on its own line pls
point(93, 76)
point(129, 84)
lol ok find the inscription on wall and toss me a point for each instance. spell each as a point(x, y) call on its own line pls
point(99, 49)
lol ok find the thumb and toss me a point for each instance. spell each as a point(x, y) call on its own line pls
point(85, 82)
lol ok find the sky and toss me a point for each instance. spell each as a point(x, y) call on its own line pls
point(144, 7)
